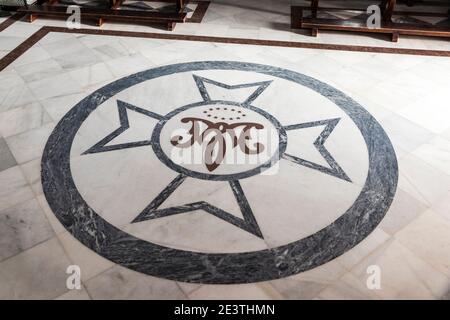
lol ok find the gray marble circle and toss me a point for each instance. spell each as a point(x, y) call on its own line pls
point(226, 268)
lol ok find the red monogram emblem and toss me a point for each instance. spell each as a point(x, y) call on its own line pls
point(214, 134)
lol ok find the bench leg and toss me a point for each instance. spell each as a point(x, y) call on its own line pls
point(180, 5)
point(31, 17)
point(296, 17)
point(394, 37)
point(171, 26)
point(314, 32)
point(314, 8)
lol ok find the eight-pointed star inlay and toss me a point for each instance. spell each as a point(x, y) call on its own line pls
point(248, 222)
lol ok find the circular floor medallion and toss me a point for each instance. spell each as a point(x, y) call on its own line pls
point(297, 204)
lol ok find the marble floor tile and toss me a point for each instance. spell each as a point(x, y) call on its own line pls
point(446, 296)
point(428, 237)
point(432, 70)
point(8, 42)
point(421, 180)
point(436, 114)
point(406, 62)
point(57, 227)
point(436, 153)
point(32, 173)
point(348, 287)
point(54, 37)
point(21, 119)
point(61, 45)
point(22, 227)
point(127, 65)
point(326, 273)
point(58, 106)
point(283, 34)
point(29, 145)
point(308, 284)
point(348, 58)
point(244, 31)
point(403, 90)
point(13, 92)
point(442, 206)
point(77, 59)
point(404, 209)
point(95, 41)
point(157, 59)
point(121, 283)
point(39, 70)
point(125, 46)
point(353, 81)
point(90, 263)
point(446, 134)
point(75, 294)
point(213, 29)
point(298, 289)
point(32, 55)
point(375, 240)
point(92, 75)
point(375, 108)
point(261, 291)
point(38, 273)
point(8, 72)
point(403, 274)
point(21, 28)
point(376, 69)
point(188, 288)
point(323, 65)
point(293, 55)
point(54, 86)
point(6, 158)
point(116, 49)
point(404, 134)
point(14, 188)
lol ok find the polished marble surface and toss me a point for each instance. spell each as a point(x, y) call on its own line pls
point(6, 158)
point(407, 98)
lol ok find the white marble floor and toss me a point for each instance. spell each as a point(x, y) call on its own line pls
point(407, 95)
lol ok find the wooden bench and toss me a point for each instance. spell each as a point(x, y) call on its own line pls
point(100, 15)
point(314, 23)
point(393, 29)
